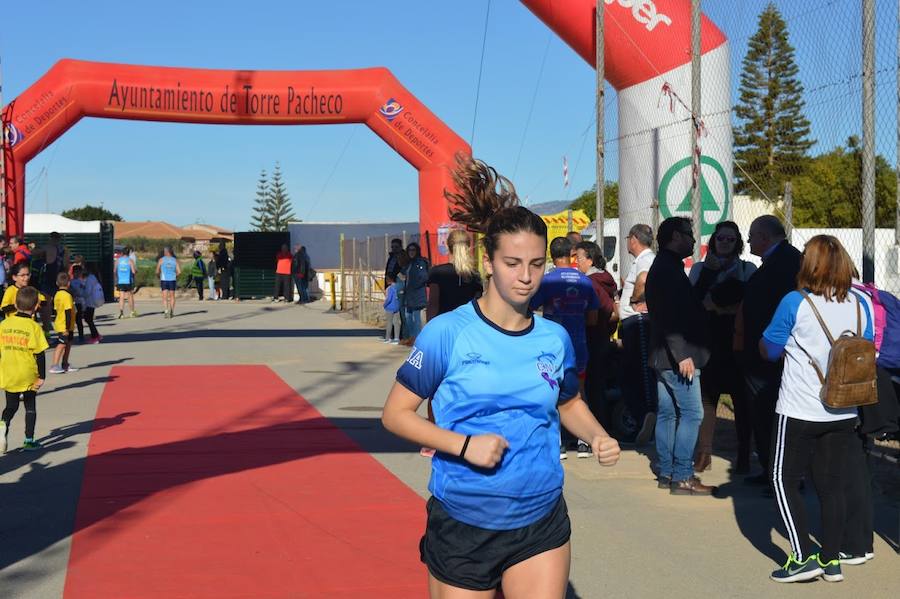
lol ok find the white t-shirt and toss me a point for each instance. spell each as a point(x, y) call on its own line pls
point(794, 325)
point(640, 264)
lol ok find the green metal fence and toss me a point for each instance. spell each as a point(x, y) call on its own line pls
point(97, 249)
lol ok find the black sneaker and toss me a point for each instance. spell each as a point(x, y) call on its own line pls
point(584, 450)
point(32, 445)
point(663, 482)
point(851, 559)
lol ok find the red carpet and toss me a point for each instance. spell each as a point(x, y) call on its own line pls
point(228, 484)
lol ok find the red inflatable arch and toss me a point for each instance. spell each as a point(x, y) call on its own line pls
point(73, 89)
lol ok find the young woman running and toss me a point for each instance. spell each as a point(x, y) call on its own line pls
point(501, 380)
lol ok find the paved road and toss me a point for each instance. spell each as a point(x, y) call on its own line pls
point(630, 539)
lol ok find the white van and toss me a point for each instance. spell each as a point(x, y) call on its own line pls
point(610, 245)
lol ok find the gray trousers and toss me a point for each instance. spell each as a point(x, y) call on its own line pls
point(391, 319)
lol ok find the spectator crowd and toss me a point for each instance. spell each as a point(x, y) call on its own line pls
point(673, 341)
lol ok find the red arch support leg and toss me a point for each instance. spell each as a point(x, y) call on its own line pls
point(433, 209)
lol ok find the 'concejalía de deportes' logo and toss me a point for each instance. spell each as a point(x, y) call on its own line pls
point(391, 109)
point(11, 135)
point(545, 368)
point(714, 197)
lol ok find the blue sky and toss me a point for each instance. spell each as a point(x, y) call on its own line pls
point(193, 173)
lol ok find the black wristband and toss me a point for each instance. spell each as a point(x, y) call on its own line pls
point(465, 446)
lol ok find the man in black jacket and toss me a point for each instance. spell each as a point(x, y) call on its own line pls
point(223, 265)
point(767, 286)
point(679, 348)
point(392, 268)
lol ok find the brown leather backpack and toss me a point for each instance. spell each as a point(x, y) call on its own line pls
point(849, 380)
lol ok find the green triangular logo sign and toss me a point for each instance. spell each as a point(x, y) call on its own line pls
point(707, 201)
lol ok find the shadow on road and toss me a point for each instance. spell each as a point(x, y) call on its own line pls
point(99, 380)
point(239, 334)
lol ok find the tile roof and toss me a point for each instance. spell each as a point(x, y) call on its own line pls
point(151, 230)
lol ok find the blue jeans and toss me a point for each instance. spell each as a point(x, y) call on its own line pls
point(676, 431)
point(302, 288)
point(414, 320)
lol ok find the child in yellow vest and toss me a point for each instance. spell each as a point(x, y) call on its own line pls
point(63, 324)
point(22, 365)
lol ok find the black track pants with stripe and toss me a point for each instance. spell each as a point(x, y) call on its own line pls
point(801, 446)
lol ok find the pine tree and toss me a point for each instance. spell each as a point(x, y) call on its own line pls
point(261, 220)
point(280, 212)
point(773, 136)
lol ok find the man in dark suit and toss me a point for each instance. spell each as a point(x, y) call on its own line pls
point(767, 286)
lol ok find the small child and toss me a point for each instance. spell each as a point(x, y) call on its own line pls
point(77, 289)
point(391, 311)
point(63, 324)
point(198, 273)
point(22, 365)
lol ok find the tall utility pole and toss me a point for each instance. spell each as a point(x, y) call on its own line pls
point(601, 157)
point(2, 160)
point(696, 214)
point(789, 209)
point(897, 166)
point(868, 149)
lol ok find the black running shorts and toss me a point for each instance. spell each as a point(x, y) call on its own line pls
point(475, 558)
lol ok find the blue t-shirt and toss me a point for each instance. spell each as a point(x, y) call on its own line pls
point(483, 379)
point(167, 269)
point(123, 270)
point(565, 295)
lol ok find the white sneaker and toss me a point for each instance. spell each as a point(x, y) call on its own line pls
point(72, 369)
point(394, 341)
point(57, 370)
point(563, 455)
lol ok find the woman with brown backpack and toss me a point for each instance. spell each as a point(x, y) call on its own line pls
point(811, 330)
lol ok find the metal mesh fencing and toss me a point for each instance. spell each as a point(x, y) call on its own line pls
point(360, 282)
